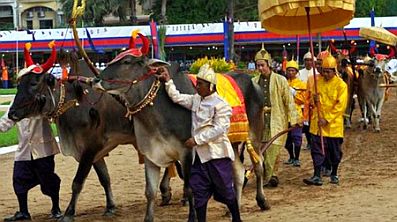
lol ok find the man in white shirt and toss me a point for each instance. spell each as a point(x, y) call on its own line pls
point(34, 161)
point(212, 172)
point(308, 69)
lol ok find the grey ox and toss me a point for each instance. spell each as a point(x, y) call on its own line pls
point(370, 95)
point(87, 131)
point(161, 126)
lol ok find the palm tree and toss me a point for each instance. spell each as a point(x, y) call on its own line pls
point(133, 18)
point(163, 16)
point(97, 9)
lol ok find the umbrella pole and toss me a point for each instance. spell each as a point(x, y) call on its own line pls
point(314, 77)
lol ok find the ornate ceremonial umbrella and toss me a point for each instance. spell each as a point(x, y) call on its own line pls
point(292, 17)
point(378, 34)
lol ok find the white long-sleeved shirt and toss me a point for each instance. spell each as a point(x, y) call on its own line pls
point(210, 123)
point(35, 137)
point(305, 73)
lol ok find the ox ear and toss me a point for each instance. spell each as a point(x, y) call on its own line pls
point(78, 89)
point(50, 80)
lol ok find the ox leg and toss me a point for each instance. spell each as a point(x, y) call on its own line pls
point(103, 176)
point(377, 115)
point(82, 172)
point(258, 167)
point(165, 188)
point(364, 114)
point(238, 175)
point(152, 175)
point(260, 196)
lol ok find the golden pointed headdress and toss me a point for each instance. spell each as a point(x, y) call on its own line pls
point(263, 55)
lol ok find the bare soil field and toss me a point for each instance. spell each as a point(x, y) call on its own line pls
point(367, 190)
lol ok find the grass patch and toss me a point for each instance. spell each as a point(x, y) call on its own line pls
point(6, 103)
point(11, 136)
point(11, 91)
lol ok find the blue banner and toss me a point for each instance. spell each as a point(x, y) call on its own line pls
point(226, 39)
point(372, 43)
point(92, 43)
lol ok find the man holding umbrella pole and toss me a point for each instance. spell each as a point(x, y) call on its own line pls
point(331, 96)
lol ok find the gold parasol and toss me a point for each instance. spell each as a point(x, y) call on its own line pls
point(305, 17)
point(378, 34)
point(289, 16)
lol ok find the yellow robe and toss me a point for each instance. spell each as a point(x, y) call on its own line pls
point(299, 98)
point(333, 100)
point(282, 111)
point(282, 106)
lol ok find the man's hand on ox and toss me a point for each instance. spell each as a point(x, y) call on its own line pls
point(190, 142)
point(163, 74)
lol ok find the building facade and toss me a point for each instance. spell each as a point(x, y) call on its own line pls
point(30, 14)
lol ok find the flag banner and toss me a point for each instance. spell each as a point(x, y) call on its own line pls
point(100, 51)
point(226, 39)
point(29, 32)
point(372, 43)
point(155, 38)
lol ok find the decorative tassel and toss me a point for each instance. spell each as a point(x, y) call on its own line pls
point(172, 170)
point(254, 156)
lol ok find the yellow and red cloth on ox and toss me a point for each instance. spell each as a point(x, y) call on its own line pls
point(228, 89)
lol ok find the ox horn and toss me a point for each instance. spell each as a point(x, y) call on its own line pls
point(145, 41)
point(332, 46)
point(353, 47)
point(50, 61)
point(132, 39)
point(28, 57)
point(372, 51)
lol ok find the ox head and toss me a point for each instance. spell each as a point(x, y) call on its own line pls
point(391, 69)
point(128, 74)
point(34, 83)
point(374, 68)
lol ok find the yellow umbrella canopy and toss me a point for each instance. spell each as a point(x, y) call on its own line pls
point(289, 16)
point(378, 34)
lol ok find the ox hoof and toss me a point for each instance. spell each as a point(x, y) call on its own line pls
point(109, 211)
point(165, 200)
point(66, 219)
point(263, 204)
point(377, 130)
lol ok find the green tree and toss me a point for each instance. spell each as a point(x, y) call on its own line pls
point(97, 9)
point(381, 7)
point(196, 11)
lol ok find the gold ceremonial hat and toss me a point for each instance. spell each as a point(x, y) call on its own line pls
point(263, 55)
point(329, 62)
point(292, 64)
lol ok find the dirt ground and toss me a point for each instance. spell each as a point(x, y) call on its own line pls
point(367, 190)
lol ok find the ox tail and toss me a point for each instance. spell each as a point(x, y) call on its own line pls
point(241, 155)
point(179, 169)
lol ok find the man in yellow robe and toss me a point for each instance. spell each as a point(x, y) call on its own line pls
point(332, 98)
point(279, 110)
point(298, 88)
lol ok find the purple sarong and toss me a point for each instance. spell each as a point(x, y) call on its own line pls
point(332, 148)
point(28, 174)
point(212, 177)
